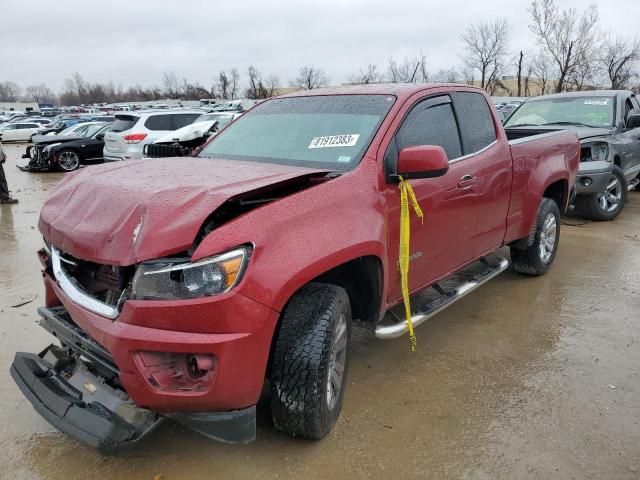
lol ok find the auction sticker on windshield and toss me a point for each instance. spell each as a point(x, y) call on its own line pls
point(334, 141)
point(602, 102)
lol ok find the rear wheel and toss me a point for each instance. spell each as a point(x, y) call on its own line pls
point(310, 361)
point(68, 160)
point(608, 204)
point(538, 252)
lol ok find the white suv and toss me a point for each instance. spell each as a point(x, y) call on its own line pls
point(132, 131)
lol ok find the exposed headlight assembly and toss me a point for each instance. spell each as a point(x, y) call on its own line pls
point(178, 280)
point(47, 148)
point(591, 152)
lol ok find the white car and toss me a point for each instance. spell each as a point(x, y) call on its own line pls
point(19, 131)
point(132, 131)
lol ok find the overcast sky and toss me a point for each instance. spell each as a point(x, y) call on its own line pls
point(135, 41)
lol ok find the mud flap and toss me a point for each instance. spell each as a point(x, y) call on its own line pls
point(238, 426)
point(62, 405)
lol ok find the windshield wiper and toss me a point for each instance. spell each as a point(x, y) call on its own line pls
point(522, 125)
point(577, 124)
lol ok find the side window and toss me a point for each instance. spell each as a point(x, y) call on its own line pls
point(477, 129)
point(628, 109)
point(634, 102)
point(158, 122)
point(182, 120)
point(431, 123)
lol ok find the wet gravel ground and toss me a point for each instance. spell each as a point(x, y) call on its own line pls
point(534, 378)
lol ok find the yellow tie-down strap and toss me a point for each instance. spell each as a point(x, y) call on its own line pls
point(406, 193)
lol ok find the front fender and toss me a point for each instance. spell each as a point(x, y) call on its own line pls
point(301, 236)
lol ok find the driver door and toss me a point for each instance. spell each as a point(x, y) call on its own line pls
point(444, 240)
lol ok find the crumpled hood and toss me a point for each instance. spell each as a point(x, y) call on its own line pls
point(46, 139)
point(124, 213)
point(189, 132)
point(585, 133)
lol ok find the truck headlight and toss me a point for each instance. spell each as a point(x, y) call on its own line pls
point(179, 280)
point(595, 152)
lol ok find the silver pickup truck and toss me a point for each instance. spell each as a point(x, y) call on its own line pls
point(608, 125)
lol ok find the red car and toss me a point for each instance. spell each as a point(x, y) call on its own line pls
point(183, 288)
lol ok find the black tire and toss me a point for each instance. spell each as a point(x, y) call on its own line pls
point(70, 166)
point(590, 206)
point(302, 361)
point(527, 257)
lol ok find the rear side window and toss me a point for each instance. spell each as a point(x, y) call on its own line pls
point(477, 130)
point(123, 123)
point(158, 122)
point(431, 123)
point(182, 120)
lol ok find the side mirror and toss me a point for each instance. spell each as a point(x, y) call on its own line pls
point(424, 161)
point(633, 121)
point(100, 136)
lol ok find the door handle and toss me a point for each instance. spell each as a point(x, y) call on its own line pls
point(465, 181)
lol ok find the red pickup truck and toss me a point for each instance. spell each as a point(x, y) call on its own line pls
point(186, 288)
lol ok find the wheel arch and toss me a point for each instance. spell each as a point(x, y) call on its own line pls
point(558, 191)
point(361, 277)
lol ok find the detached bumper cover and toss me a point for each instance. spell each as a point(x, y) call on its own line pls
point(63, 407)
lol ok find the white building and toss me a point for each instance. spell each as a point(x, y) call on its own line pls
point(19, 107)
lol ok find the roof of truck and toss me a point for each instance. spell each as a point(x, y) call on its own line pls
point(583, 93)
point(396, 89)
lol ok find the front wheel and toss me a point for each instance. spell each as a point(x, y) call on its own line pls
point(539, 251)
point(608, 204)
point(68, 160)
point(310, 361)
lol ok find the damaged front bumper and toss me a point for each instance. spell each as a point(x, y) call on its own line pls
point(77, 389)
point(39, 158)
point(78, 402)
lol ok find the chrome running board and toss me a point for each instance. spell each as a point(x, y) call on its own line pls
point(426, 305)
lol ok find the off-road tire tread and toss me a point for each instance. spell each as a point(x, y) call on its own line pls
point(300, 361)
point(527, 260)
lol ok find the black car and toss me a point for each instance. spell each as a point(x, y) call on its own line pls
point(608, 125)
point(67, 155)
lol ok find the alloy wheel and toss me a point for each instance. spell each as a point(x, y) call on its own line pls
point(548, 237)
point(337, 362)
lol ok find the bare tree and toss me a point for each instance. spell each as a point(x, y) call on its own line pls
point(39, 93)
point(520, 73)
point(469, 75)
point(171, 84)
point(222, 85)
point(566, 35)
point(310, 77)
point(584, 74)
point(618, 58)
point(542, 68)
point(527, 78)
point(405, 71)
point(366, 75)
point(486, 45)
point(253, 90)
point(234, 83)
point(271, 85)
point(449, 75)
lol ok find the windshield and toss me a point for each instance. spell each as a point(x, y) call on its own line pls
point(586, 111)
point(317, 131)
